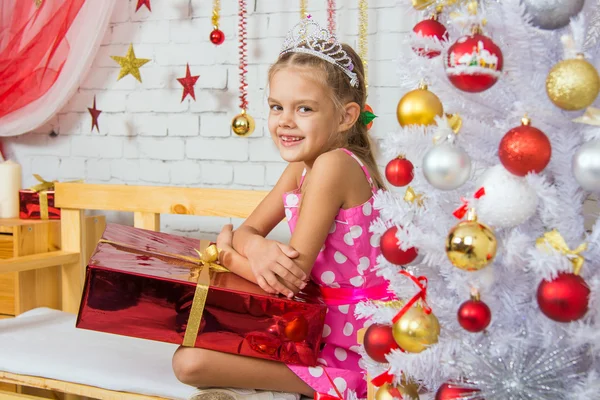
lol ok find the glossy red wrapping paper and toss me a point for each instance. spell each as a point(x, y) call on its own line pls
point(30, 207)
point(143, 294)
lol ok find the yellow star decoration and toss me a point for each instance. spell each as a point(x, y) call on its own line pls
point(129, 64)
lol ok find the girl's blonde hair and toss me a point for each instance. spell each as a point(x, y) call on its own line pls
point(356, 139)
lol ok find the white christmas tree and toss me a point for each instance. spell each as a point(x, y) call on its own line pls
point(495, 211)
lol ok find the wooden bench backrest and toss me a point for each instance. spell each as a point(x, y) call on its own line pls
point(147, 203)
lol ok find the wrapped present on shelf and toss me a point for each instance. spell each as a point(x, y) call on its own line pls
point(37, 202)
point(169, 288)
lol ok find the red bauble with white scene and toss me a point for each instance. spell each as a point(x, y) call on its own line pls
point(429, 29)
point(474, 63)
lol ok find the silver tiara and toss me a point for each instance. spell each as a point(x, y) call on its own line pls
point(309, 38)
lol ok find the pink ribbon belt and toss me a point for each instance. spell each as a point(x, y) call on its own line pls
point(338, 296)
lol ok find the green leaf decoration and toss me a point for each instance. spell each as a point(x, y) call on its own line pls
point(366, 117)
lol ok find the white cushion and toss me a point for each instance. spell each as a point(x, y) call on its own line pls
point(45, 343)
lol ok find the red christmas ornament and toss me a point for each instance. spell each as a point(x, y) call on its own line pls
point(565, 298)
point(449, 391)
point(141, 3)
point(399, 171)
point(379, 341)
point(474, 315)
point(188, 83)
point(474, 63)
point(391, 251)
point(217, 37)
point(95, 113)
point(430, 28)
point(525, 149)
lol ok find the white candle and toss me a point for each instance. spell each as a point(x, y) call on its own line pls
point(10, 183)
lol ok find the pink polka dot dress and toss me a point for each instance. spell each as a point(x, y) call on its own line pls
point(343, 271)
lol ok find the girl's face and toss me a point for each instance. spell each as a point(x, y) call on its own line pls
point(302, 119)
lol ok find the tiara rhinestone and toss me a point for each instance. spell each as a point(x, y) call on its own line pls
point(309, 38)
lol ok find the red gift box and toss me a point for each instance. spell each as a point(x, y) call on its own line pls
point(154, 285)
point(37, 205)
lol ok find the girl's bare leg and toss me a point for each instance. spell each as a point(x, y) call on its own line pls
point(206, 368)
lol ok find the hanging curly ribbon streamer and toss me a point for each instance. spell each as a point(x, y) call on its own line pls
point(302, 9)
point(382, 379)
point(243, 54)
point(421, 282)
point(556, 241)
point(325, 396)
point(363, 20)
point(215, 13)
point(461, 211)
point(331, 16)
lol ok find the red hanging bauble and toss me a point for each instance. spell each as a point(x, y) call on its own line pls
point(524, 149)
point(430, 28)
point(474, 63)
point(449, 391)
point(379, 341)
point(217, 37)
point(474, 315)
point(399, 171)
point(391, 251)
point(565, 298)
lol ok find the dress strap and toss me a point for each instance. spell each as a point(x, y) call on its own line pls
point(302, 178)
point(365, 170)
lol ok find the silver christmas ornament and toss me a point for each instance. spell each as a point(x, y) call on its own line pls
point(586, 166)
point(552, 14)
point(446, 166)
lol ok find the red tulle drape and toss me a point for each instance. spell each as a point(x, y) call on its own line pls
point(33, 48)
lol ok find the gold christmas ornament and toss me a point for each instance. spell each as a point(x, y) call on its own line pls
point(408, 391)
point(416, 330)
point(471, 245)
point(242, 124)
point(573, 84)
point(420, 107)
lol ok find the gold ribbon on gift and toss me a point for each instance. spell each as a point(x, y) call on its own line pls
point(557, 242)
point(42, 189)
point(591, 116)
point(411, 196)
point(208, 258)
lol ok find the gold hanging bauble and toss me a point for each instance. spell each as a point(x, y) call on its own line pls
point(573, 84)
point(409, 391)
point(416, 330)
point(471, 245)
point(419, 107)
point(242, 124)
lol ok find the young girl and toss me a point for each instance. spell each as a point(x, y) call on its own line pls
point(316, 95)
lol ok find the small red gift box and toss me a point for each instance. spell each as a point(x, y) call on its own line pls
point(37, 205)
point(154, 285)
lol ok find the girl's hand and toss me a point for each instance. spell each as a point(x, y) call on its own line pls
point(273, 266)
point(225, 238)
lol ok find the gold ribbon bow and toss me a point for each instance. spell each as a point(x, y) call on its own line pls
point(206, 258)
point(42, 189)
point(557, 242)
point(590, 117)
point(411, 197)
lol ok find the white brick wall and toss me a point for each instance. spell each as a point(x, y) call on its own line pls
point(148, 136)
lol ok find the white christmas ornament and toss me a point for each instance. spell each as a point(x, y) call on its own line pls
point(586, 166)
point(552, 14)
point(446, 166)
point(508, 201)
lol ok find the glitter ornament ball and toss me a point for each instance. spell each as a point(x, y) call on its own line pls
point(565, 298)
point(450, 391)
point(242, 124)
point(419, 107)
point(217, 37)
point(416, 330)
point(446, 166)
point(430, 28)
point(379, 341)
point(508, 201)
point(573, 84)
point(471, 245)
point(409, 391)
point(399, 172)
point(552, 14)
point(474, 63)
point(586, 165)
point(474, 315)
point(390, 248)
point(525, 149)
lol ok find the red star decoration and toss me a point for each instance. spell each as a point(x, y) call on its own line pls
point(141, 3)
point(188, 83)
point(95, 113)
